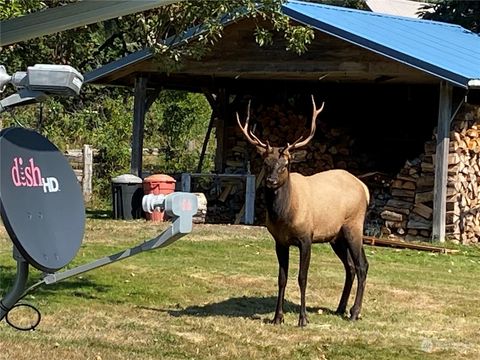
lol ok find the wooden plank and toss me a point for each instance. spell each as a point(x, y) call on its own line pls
point(373, 241)
point(250, 190)
point(226, 191)
point(87, 172)
point(258, 181)
point(441, 161)
point(186, 182)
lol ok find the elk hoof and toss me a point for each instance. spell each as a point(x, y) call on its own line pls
point(302, 321)
point(354, 315)
point(277, 320)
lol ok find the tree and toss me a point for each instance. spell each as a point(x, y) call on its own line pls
point(464, 13)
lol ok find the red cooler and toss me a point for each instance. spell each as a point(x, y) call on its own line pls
point(158, 184)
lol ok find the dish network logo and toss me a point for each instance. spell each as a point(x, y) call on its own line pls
point(30, 175)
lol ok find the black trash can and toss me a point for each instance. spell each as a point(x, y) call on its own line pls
point(127, 194)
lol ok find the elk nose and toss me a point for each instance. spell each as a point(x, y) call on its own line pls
point(271, 181)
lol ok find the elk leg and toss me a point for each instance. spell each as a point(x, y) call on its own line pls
point(341, 249)
point(355, 246)
point(305, 251)
point(282, 257)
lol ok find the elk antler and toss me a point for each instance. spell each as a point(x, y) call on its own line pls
point(300, 141)
point(248, 133)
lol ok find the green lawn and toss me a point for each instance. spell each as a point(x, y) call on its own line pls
point(210, 296)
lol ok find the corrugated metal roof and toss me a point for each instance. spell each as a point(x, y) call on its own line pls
point(70, 16)
point(444, 50)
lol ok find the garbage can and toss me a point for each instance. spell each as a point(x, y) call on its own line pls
point(158, 184)
point(127, 194)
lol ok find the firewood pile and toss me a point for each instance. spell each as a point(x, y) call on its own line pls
point(463, 203)
point(402, 204)
point(331, 147)
point(408, 214)
point(379, 186)
point(219, 200)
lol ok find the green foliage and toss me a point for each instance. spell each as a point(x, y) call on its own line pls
point(464, 13)
point(177, 124)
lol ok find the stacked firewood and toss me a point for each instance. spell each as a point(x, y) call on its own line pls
point(401, 206)
point(409, 212)
point(379, 186)
point(219, 199)
point(330, 149)
point(463, 202)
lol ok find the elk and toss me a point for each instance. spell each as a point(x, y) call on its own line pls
point(329, 206)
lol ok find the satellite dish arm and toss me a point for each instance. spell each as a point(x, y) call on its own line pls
point(23, 97)
point(17, 291)
point(174, 206)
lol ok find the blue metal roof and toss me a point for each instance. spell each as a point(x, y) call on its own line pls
point(447, 51)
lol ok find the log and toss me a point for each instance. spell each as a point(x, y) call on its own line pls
point(392, 216)
point(399, 204)
point(425, 183)
point(409, 185)
point(403, 193)
point(423, 210)
point(423, 197)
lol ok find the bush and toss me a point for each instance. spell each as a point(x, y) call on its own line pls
point(176, 124)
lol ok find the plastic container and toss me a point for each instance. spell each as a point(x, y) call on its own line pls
point(158, 184)
point(127, 194)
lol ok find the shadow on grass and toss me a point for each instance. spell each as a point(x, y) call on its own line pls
point(7, 276)
point(99, 214)
point(78, 287)
point(245, 307)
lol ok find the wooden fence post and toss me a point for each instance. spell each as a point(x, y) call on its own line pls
point(87, 172)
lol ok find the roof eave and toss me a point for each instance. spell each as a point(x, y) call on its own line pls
point(441, 73)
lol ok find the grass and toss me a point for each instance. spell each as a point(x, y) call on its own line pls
point(210, 296)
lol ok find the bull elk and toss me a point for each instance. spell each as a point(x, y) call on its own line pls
point(329, 206)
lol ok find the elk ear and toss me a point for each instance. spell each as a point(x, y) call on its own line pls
point(298, 156)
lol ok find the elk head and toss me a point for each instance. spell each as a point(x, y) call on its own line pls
point(277, 160)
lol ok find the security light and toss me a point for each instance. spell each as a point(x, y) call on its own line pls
point(39, 82)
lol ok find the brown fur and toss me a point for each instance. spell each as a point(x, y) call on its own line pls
point(329, 206)
point(319, 205)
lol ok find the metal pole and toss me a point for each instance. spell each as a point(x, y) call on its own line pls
point(18, 286)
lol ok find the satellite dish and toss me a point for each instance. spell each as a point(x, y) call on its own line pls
point(41, 200)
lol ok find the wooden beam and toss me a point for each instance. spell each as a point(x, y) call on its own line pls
point(139, 110)
point(213, 104)
point(399, 244)
point(87, 172)
point(441, 161)
point(221, 131)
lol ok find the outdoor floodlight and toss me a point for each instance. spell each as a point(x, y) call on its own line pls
point(38, 82)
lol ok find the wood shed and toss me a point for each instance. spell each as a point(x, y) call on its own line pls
point(400, 110)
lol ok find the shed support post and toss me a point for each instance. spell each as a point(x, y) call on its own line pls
point(213, 117)
point(441, 162)
point(139, 110)
point(221, 131)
